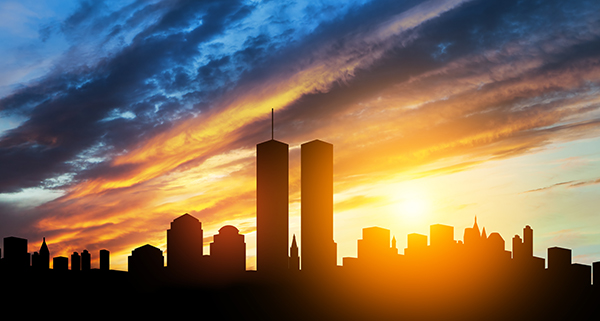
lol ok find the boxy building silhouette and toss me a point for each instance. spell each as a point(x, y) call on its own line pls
point(228, 252)
point(185, 242)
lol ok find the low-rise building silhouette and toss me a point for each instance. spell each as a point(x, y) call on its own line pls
point(185, 241)
point(416, 245)
point(441, 236)
point(60, 263)
point(559, 259)
point(146, 259)
point(16, 256)
point(228, 251)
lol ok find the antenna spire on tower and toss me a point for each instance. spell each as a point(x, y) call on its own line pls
point(272, 123)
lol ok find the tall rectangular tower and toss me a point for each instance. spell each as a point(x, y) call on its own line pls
point(272, 162)
point(317, 245)
point(528, 241)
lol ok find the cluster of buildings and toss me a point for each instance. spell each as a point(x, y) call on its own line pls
point(274, 255)
point(186, 259)
point(477, 251)
point(17, 258)
point(317, 252)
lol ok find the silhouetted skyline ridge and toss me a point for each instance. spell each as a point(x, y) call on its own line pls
point(433, 273)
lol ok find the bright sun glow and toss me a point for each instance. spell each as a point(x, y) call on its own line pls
point(412, 207)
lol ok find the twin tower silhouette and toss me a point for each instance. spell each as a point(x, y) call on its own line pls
point(185, 255)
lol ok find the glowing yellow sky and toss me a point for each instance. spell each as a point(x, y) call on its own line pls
point(490, 134)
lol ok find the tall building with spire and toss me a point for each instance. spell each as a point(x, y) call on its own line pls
point(294, 262)
point(318, 248)
point(44, 259)
point(272, 197)
point(472, 235)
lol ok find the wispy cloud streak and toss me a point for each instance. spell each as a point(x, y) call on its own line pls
point(154, 107)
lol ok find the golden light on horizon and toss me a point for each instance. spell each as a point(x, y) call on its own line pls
point(413, 207)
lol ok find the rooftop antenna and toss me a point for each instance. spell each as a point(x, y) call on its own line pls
point(272, 123)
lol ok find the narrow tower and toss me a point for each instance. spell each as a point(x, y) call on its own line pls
point(318, 248)
point(44, 256)
point(272, 162)
point(528, 242)
point(294, 264)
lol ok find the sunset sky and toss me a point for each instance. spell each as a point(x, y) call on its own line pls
point(118, 116)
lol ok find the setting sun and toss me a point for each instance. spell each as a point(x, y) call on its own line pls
point(414, 207)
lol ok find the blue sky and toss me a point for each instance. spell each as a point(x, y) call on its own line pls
point(121, 115)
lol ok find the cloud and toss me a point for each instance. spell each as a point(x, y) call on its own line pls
point(155, 107)
point(549, 187)
point(568, 184)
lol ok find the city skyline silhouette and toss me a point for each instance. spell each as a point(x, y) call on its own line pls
point(428, 127)
point(435, 276)
point(300, 160)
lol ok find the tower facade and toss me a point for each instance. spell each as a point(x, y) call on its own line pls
point(272, 184)
point(318, 248)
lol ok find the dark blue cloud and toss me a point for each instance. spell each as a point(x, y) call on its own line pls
point(134, 71)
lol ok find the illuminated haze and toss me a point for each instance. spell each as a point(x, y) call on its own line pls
point(118, 116)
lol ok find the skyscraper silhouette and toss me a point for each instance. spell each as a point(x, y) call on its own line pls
point(44, 259)
point(75, 262)
point(294, 263)
point(185, 241)
point(86, 261)
point(104, 260)
point(472, 236)
point(272, 161)
point(317, 246)
point(528, 241)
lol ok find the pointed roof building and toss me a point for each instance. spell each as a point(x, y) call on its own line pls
point(44, 258)
point(294, 260)
point(472, 235)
